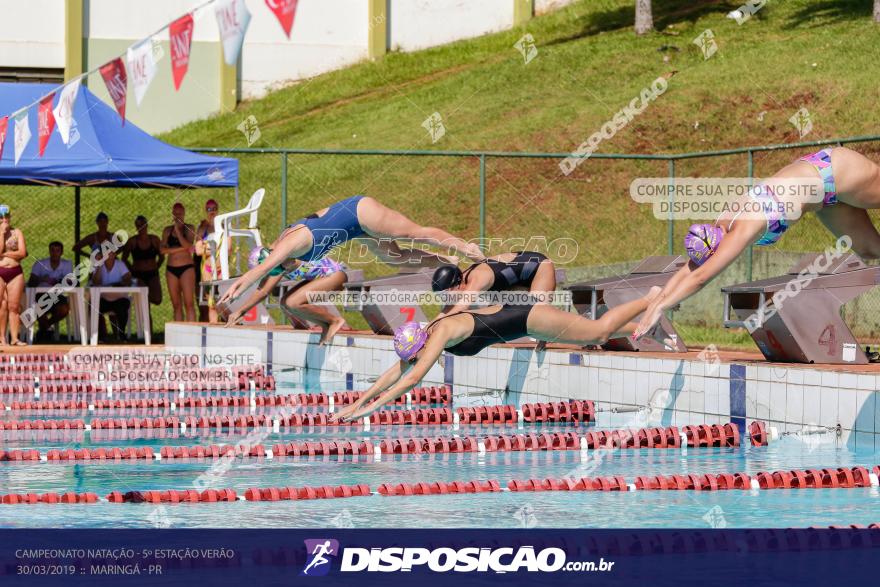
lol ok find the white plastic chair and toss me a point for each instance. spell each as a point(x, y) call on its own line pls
point(224, 232)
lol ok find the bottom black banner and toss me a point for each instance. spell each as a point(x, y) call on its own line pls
point(437, 557)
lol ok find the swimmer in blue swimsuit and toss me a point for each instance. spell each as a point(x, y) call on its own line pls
point(844, 184)
point(311, 238)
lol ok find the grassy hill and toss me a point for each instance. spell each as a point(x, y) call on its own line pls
point(818, 55)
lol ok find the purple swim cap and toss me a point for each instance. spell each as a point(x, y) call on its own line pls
point(702, 241)
point(255, 257)
point(409, 340)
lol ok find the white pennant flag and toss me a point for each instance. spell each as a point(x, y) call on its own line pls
point(64, 109)
point(22, 134)
point(233, 18)
point(141, 68)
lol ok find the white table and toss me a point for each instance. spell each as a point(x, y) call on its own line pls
point(141, 307)
point(77, 301)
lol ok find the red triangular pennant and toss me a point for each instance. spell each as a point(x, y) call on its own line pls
point(114, 76)
point(4, 126)
point(180, 32)
point(284, 11)
point(45, 121)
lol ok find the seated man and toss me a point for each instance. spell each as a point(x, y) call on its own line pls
point(46, 273)
point(113, 272)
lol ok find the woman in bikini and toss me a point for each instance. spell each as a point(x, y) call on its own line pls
point(146, 258)
point(177, 244)
point(467, 333)
point(311, 238)
point(12, 250)
point(92, 242)
point(850, 185)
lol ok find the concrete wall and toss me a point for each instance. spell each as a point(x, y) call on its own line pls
point(32, 33)
point(684, 391)
point(418, 24)
point(327, 35)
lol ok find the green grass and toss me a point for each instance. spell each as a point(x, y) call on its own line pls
point(799, 53)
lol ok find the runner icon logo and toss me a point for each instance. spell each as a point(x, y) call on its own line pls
point(319, 552)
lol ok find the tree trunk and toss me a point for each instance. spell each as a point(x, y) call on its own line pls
point(876, 10)
point(645, 22)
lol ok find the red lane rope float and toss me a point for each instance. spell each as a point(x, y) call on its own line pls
point(173, 496)
point(439, 487)
point(34, 498)
point(242, 401)
point(842, 477)
point(571, 411)
point(546, 441)
point(19, 455)
point(296, 493)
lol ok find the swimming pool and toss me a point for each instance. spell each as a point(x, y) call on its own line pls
point(503, 509)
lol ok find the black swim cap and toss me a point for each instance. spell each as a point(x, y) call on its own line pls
point(446, 277)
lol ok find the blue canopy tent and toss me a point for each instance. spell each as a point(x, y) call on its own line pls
point(103, 152)
point(106, 154)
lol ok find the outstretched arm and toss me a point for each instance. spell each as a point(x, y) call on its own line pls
point(386, 380)
point(282, 250)
point(408, 379)
point(260, 294)
point(692, 278)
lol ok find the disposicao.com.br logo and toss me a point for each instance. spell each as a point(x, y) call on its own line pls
point(443, 560)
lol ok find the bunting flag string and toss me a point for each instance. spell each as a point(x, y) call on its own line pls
point(63, 112)
point(116, 81)
point(22, 134)
point(45, 122)
point(233, 19)
point(285, 11)
point(4, 127)
point(180, 39)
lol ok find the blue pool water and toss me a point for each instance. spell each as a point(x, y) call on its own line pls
point(777, 508)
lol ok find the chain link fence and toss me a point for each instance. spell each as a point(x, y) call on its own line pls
point(586, 220)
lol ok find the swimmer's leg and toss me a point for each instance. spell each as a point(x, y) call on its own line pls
point(555, 325)
point(843, 219)
point(296, 304)
point(379, 221)
point(390, 253)
point(545, 278)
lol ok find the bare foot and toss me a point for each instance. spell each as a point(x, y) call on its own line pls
point(331, 330)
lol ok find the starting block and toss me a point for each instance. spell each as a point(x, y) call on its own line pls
point(595, 297)
point(806, 327)
point(384, 318)
point(213, 290)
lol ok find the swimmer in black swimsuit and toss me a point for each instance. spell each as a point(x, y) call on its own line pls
point(467, 333)
point(517, 271)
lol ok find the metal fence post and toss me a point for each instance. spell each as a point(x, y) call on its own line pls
point(670, 233)
point(482, 200)
point(77, 219)
point(283, 190)
point(751, 247)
